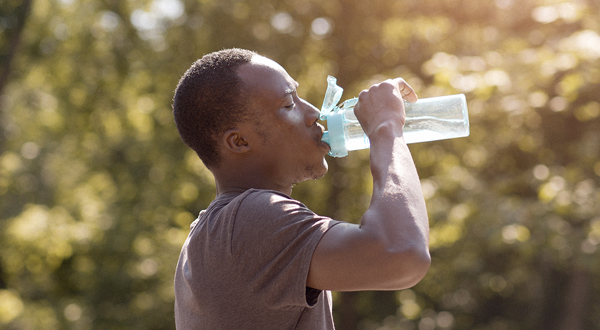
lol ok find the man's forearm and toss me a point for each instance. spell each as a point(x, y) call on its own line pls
point(397, 214)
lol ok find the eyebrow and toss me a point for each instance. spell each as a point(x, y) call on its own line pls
point(289, 91)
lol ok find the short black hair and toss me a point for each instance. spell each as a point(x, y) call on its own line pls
point(209, 100)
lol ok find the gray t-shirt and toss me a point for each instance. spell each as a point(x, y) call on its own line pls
point(245, 262)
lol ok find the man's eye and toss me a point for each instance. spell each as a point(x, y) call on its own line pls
point(291, 106)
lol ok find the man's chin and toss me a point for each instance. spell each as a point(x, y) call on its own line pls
point(317, 172)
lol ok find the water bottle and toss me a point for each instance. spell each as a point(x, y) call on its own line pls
point(428, 119)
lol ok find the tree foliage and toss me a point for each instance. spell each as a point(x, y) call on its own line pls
point(97, 191)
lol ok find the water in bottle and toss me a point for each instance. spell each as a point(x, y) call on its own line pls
point(428, 119)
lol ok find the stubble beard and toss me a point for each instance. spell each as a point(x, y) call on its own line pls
point(314, 172)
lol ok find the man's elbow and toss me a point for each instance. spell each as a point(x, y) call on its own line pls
point(421, 263)
point(412, 266)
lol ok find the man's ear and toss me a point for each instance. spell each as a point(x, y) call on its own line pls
point(234, 141)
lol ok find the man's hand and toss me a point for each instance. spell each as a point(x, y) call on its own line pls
point(383, 104)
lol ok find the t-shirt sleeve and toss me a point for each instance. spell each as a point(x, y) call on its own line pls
point(272, 242)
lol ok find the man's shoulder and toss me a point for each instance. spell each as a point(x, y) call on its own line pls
point(266, 207)
point(263, 198)
point(268, 192)
point(250, 201)
point(270, 206)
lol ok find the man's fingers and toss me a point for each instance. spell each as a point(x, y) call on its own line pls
point(406, 91)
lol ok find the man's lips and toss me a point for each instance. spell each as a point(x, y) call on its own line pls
point(320, 138)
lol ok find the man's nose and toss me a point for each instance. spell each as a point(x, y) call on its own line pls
point(312, 113)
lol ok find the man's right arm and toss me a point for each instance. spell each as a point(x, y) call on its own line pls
point(389, 249)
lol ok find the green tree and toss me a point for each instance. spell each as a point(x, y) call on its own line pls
point(97, 192)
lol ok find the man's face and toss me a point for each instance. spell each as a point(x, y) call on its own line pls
point(289, 138)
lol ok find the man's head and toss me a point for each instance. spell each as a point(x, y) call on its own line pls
point(209, 100)
point(241, 113)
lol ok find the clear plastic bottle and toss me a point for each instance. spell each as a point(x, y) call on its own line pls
point(428, 119)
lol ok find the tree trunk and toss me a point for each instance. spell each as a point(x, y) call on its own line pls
point(576, 301)
point(13, 36)
point(348, 315)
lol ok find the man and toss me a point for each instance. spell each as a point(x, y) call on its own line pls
point(258, 259)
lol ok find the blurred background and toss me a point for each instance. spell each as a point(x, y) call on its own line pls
point(97, 191)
